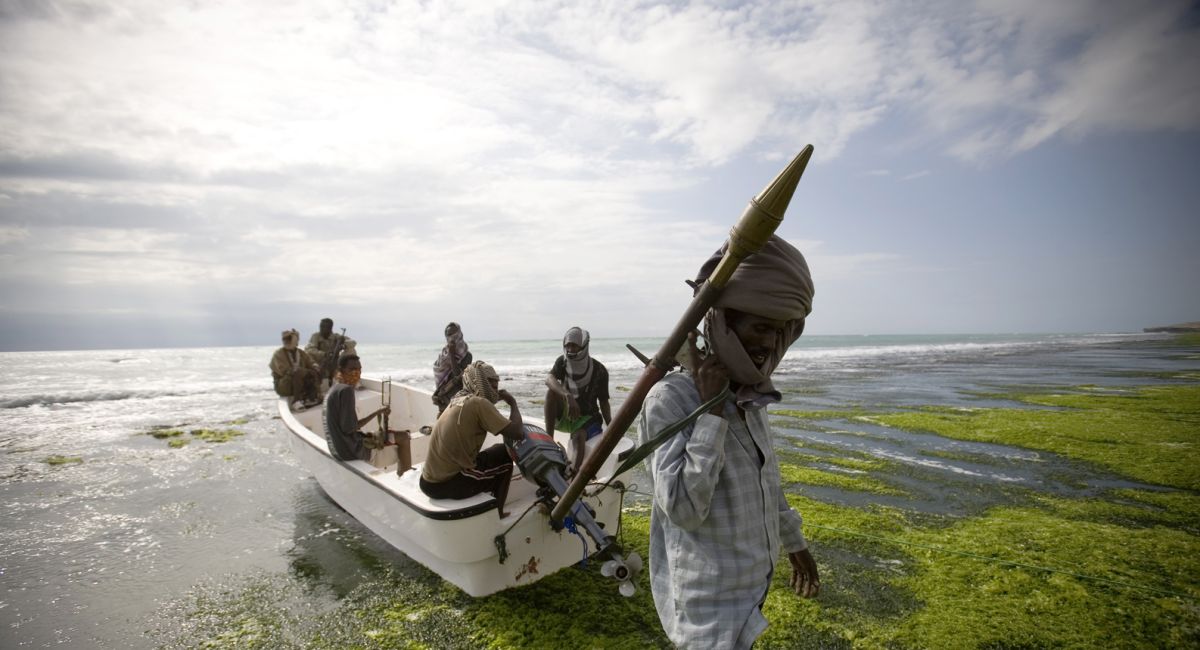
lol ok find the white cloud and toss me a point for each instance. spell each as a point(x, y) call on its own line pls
point(1003, 77)
point(320, 150)
point(13, 234)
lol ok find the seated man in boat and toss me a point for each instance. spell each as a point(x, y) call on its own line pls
point(327, 347)
point(577, 399)
point(295, 373)
point(448, 368)
point(457, 466)
point(342, 424)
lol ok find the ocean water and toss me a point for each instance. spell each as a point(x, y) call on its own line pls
point(92, 553)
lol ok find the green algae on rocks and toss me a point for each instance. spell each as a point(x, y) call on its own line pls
point(216, 435)
point(1152, 435)
point(857, 481)
point(174, 441)
point(62, 460)
point(1116, 570)
point(574, 608)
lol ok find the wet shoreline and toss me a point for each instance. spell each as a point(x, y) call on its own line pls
point(231, 544)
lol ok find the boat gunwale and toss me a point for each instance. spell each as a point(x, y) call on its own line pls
point(444, 515)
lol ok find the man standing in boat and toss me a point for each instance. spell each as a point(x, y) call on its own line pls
point(448, 367)
point(295, 374)
point(342, 424)
point(577, 399)
point(720, 518)
point(457, 466)
point(326, 347)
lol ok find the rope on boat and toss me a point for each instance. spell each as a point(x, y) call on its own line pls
point(621, 488)
point(501, 540)
point(569, 524)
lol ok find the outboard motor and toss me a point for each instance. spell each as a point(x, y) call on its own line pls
point(542, 459)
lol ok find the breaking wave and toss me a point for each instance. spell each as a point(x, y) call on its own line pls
point(52, 399)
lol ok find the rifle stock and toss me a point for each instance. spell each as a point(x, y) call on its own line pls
point(331, 358)
point(756, 225)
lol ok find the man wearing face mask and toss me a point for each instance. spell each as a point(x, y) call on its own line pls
point(577, 399)
point(448, 367)
point(457, 466)
point(720, 519)
point(294, 372)
point(342, 424)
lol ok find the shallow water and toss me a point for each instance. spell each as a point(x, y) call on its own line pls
point(112, 550)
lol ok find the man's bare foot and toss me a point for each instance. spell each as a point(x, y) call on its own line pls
point(504, 514)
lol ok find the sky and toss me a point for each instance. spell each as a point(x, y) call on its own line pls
point(211, 173)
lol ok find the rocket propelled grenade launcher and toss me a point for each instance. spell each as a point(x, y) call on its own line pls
point(762, 216)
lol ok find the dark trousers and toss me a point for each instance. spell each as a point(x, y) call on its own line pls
point(493, 469)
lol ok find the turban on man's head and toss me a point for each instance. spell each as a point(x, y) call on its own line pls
point(773, 283)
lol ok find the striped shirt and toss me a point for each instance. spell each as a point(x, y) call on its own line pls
point(720, 520)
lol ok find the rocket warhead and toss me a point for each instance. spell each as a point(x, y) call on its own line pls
point(775, 197)
point(761, 217)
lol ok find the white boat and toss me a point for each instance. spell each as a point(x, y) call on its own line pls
point(462, 540)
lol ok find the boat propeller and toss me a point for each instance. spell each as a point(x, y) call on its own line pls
point(625, 571)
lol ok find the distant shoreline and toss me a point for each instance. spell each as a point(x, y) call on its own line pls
point(1178, 328)
point(807, 340)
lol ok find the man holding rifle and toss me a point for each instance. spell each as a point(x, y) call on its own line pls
point(720, 519)
point(326, 347)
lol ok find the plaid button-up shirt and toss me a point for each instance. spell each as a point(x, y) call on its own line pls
point(720, 520)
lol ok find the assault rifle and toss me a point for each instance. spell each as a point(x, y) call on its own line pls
point(330, 362)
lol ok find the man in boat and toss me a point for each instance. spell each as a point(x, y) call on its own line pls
point(448, 368)
point(720, 519)
point(342, 424)
point(457, 466)
point(326, 347)
point(577, 399)
point(294, 372)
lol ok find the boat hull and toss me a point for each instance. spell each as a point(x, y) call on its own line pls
point(454, 538)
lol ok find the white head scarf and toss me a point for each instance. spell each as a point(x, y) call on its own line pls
point(579, 368)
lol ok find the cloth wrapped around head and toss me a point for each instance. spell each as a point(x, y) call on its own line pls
point(475, 384)
point(451, 355)
point(291, 339)
point(774, 283)
point(579, 365)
